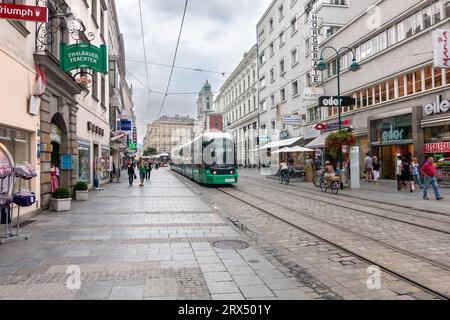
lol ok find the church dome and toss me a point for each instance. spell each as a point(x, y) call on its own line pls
point(206, 87)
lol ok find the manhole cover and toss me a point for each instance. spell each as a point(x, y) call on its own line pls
point(231, 245)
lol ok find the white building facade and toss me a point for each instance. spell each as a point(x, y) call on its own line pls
point(237, 102)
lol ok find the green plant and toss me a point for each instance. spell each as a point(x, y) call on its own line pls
point(150, 152)
point(61, 193)
point(335, 141)
point(81, 186)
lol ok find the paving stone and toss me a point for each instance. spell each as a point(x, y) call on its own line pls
point(127, 293)
point(295, 294)
point(222, 287)
point(160, 288)
point(256, 292)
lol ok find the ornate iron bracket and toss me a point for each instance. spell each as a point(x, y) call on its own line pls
point(61, 18)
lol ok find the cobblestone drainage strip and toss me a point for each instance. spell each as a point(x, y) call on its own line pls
point(231, 245)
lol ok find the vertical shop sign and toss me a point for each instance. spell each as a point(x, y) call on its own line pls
point(135, 135)
point(441, 48)
point(314, 50)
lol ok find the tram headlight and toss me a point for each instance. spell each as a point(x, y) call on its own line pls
point(214, 172)
point(231, 172)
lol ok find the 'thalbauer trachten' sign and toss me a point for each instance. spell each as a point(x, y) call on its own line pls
point(83, 55)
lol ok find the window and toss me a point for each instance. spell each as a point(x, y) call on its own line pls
point(263, 82)
point(272, 75)
point(295, 89)
point(283, 95)
point(113, 73)
point(282, 67)
point(271, 24)
point(428, 78)
point(271, 49)
point(95, 85)
point(377, 97)
point(272, 100)
point(263, 105)
point(392, 36)
point(281, 12)
point(383, 92)
point(262, 58)
point(391, 91)
point(274, 125)
point(261, 36)
point(410, 84)
point(364, 98)
point(294, 26)
point(294, 57)
point(94, 10)
point(282, 39)
point(313, 114)
point(103, 90)
point(84, 161)
point(437, 77)
point(401, 86)
point(418, 81)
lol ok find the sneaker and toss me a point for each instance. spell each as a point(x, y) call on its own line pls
point(441, 198)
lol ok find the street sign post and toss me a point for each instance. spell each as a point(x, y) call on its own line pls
point(22, 12)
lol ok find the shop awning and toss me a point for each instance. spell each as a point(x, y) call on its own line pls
point(281, 143)
point(319, 142)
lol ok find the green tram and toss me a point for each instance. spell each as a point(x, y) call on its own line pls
point(209, 159)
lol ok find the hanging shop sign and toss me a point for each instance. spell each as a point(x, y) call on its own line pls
point(326, 101)
point(55, 134)
point(440, 147)
point(125, 125)
point(83, 55)
point(135, 135)
point(314, 49)
point(292, 120)
point(313, 93)
point(440, 106)
point(23, 12)
point(441, 48)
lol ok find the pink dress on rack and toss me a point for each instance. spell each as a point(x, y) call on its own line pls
point(53, 179)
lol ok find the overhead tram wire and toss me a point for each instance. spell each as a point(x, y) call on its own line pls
point(179, 67)
point(145, 57)
point(174, 59)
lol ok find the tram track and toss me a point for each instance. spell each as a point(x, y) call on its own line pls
point(333, 201)
point(369, 261)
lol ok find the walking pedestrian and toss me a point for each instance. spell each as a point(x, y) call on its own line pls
point(368, 167)
point(142, 172)
point(148, 167)
point(406, 176)
point(429, 171)
point(317, 164)
point(131, 173)
point(376, 170)
point(53, 178)
point(398, 172)
point(416, 173)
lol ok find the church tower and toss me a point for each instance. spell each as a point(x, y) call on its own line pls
point(205, 103)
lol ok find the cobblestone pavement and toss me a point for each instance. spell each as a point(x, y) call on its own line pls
point(334, 271)
point(155, 242)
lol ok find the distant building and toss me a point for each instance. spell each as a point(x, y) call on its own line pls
point(209, 119)
point(168, 132)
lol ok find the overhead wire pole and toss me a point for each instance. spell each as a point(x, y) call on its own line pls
point(174, 59)
point(145, 58)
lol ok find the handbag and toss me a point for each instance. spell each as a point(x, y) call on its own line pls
point(24, 198)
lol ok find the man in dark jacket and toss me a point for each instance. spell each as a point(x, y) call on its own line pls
point(131, 173)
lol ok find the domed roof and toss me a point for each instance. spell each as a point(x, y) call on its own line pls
point(206, 87)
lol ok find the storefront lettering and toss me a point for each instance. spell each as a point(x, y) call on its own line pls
point(393, 135)
point(440, 147)
point(440, 106)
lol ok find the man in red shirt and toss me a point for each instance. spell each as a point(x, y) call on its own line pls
point(429, 171)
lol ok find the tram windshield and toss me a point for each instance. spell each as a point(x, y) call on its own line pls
point(219, 153)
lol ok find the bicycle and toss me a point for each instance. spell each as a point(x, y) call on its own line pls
point(332, 183)
point(317, 179)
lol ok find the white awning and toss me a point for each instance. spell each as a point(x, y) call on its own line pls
point(281, 143)
point(319, 142)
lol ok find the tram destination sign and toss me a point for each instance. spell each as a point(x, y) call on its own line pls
point(22, 12)
point(328, 102)
point(84, 55)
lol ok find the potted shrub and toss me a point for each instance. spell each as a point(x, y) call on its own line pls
point(81, 191)
point(61, 200)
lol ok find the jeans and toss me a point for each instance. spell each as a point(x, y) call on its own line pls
point(418, 180)
point(433, 182)
point(131, 178)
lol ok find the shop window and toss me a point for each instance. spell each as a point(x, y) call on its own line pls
point(383, 92)
point(410, 84)
point(418, 80)
point(84, 160)
point(437, 134)
point(391, 85)
point(437, 77)
point(428, 78)
point(358, 100)
point(401, 86)
point(377, 96)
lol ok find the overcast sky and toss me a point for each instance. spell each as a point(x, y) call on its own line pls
point(216, 34)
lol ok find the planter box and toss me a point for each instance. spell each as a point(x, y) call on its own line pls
point(81, 195)
point(60, 205)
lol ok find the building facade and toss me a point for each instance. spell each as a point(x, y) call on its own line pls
point(169, 132)
point(237, 101)
point(285, 67)
point(401, 107)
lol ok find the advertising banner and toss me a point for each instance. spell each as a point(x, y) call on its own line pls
point(440, 147)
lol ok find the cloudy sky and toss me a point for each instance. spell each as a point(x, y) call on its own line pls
point(216, 34)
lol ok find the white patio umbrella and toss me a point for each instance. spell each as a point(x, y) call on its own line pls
point(300, 149)
point(284, 150)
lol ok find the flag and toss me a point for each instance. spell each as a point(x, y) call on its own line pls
point(40, 82)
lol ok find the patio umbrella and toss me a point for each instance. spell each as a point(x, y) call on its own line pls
point(284, 150)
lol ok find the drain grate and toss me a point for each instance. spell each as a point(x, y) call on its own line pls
point(231, 245)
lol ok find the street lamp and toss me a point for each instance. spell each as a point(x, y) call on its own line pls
point(354, 66)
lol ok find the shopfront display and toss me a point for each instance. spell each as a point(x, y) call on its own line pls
point(389, 138)
point(437, 145)
point(104, 164)
point(84, 160)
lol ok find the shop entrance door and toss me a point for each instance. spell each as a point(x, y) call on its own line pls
point(388, 156)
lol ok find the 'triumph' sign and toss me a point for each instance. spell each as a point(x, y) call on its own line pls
point(22, 12)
